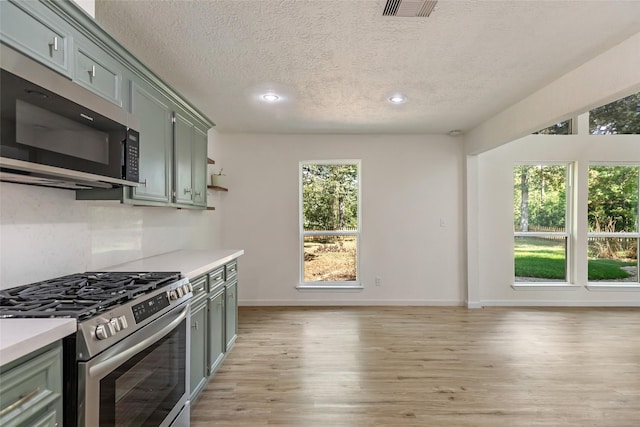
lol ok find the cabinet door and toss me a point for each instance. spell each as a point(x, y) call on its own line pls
point(199, 167)
point(153, 111)
point(216, 331)
point(231, 314)
point(98, 72)
point(183, 142)
point(31, 392)
point(36, 34)
point(198, 349)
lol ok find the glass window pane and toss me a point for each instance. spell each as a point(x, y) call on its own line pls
point(562, 128)
point(539, 198)
point(619, 117)
point(613, 199)
point(613, 259)
point(330, 258)
point(330, 197)
point(540, 259)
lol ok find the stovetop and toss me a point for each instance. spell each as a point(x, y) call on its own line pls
point(82, 295)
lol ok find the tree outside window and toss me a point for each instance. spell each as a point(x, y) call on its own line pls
point(540, 223)
point(330, 221)
point(618, 117)
point(613, 223)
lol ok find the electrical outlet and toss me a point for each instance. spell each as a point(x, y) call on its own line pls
point(378, 281)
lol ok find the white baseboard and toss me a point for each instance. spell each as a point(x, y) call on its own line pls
point(343, 303)
point(554, 303)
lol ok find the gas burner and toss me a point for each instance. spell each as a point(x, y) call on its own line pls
point(80, 295)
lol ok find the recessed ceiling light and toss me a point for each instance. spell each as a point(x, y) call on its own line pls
point(270, 97)
point(455, 132)
point(397, 99)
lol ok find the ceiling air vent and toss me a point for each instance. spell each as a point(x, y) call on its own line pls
point(409, 8)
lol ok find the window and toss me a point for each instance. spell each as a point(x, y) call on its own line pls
point(541, 236)
point(330, 221)
point(613, 223)
point(619, 117)
point(562, 128)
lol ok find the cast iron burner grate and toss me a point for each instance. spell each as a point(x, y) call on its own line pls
point(80, 295)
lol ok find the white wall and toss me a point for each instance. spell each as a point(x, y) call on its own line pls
point(88, 6)
point(495, 215)
point(408, 184)
point(46, 233)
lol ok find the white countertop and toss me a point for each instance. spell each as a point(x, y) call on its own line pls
point(19, 337)
point(191, 263)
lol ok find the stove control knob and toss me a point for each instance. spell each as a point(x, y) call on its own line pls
point(123, 322)
point(115, 323)
point(102, 331)
point(180, 291)
point(172, 295)
point(186, 288)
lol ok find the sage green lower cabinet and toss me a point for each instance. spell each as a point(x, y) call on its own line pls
point(198, 377)
point(31, 389)
point(231, 313)
point(216, 329)
point(217, 306)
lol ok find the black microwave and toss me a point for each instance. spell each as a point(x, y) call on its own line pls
point(45, 135)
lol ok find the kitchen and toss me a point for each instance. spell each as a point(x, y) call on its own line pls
point(97, 234)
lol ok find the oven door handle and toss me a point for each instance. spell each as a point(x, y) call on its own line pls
point(118, 357)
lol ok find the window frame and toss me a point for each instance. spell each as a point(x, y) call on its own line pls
point(631, 235)
point(567, 234)
point(354, 284)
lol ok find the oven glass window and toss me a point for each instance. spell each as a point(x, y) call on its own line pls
point(143, 390)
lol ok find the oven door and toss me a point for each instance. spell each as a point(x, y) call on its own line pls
point(140, 381)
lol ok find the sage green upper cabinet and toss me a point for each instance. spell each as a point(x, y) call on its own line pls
point(153, 111)
point(183, 143)
point(199, 167)
point(39, 34)
point(98, 72)
point(190, 161)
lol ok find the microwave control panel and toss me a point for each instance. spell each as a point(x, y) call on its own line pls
point(131, 157)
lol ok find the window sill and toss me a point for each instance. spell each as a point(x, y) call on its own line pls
point(330, 287)
point(545, 287)
point(613, 286)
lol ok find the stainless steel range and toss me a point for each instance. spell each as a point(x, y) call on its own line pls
point(127, 365)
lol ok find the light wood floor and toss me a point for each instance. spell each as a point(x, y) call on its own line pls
point(428, 366)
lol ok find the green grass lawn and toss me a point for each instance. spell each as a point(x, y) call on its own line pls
point(545, 259)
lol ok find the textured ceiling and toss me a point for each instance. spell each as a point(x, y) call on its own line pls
point(336, 62)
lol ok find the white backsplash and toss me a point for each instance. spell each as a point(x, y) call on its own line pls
point(46, 233)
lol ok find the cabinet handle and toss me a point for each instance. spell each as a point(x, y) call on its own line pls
point(54, 43)
point(21, 401)
point(187, 191)
point(198, 193)
point(196, 326)
point(93, 71)
point(143, 182)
